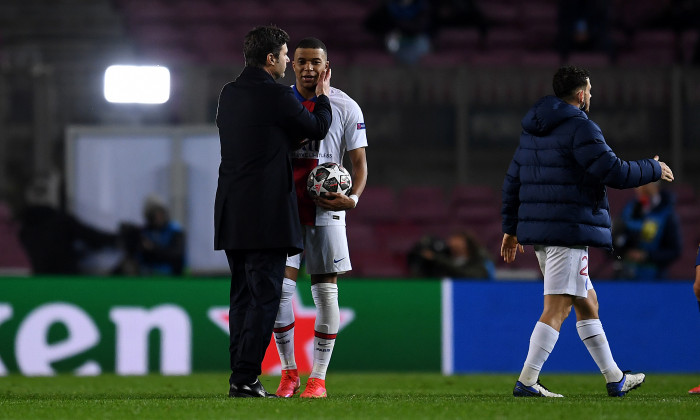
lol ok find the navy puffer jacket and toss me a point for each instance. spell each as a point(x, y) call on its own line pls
point(554, 190)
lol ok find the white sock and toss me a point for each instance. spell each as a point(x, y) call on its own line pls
point(326, 327)
point(542, 343)
point(591, 333)
point(284, 326)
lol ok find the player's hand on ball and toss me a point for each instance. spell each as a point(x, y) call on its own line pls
point(335, 201)
point(666, 172)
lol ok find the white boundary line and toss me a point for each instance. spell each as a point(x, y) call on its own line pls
point(447, 327)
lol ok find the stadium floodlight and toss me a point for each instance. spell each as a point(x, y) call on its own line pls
point(137, 84)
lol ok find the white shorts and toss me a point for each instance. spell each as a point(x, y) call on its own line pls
point(565, 270)
point(325, 250)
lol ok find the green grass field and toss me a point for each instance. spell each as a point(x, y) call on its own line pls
point(375, 396)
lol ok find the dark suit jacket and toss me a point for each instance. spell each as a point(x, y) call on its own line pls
point(260, 122)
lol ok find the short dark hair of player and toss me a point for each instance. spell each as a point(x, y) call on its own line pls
point(260, 42)
point(568, 79)
point(312, 43)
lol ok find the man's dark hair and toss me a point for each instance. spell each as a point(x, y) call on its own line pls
point(313, 43)
point(568, 79)
point(260, 42)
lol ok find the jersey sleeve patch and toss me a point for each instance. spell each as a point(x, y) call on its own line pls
point(361, 126)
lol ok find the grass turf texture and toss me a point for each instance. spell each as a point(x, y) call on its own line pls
point(390, 396)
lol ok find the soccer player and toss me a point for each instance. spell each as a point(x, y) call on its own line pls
point(554, 197)
point(323, 221)
point(696, 290)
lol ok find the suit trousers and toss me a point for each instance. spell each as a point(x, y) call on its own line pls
point(256, 288)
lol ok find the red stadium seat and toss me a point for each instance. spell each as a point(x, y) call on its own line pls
point(589, 59)
point(362, 237)
point(472, 214)
point(378, 264)
point(377, 205)
point(471, 194)
point(423, 204)
point(399, 239)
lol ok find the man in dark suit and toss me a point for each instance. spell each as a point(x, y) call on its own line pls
point(255, 215)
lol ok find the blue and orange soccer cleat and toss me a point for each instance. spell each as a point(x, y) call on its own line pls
point(289, 383)
point(315, 388)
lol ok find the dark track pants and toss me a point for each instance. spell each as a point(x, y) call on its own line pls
point(256, 288)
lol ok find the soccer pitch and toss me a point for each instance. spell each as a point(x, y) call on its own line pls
point(375, 396)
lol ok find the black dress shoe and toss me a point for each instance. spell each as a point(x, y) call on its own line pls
point(254, 390)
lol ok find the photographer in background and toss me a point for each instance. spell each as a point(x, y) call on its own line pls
point(459, 256)
point(158, 247)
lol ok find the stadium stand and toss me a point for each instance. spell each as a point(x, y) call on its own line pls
point(207, 34)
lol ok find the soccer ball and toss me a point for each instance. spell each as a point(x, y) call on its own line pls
point(328, 177)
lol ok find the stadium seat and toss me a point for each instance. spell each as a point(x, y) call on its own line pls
point(589, 59)
point(296, 11)
point(422, 194)
point(168, 54)
point(504, 37)
point(664, 39)
point(422, 204)
point(350, 36)
point(685, 193)
point(497, 58)
point(457, 39)
point(377, 205)
point(378, 264)
point(399, 239)
point(246, 12)
point(200, 11)
point(544, 59)
point(688, 213)
point(652, 55)
point(379, 58)
point(445, 58)
point(501, 12)
point(471, 194)
point(157, 34)
point(148, 11)
point(422, 212)
point(362, 237)
point(477, 213)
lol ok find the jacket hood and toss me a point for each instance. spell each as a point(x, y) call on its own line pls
point(547, 114)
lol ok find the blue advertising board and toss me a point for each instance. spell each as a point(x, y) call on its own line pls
point(651, 327)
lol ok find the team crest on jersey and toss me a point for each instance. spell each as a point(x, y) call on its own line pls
point(361, 126)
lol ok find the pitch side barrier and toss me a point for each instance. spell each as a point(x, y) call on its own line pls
point(135, 326)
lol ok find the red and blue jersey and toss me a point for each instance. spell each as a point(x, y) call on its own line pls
point(347, 132)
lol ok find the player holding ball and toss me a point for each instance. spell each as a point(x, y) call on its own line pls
point(323, 221)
